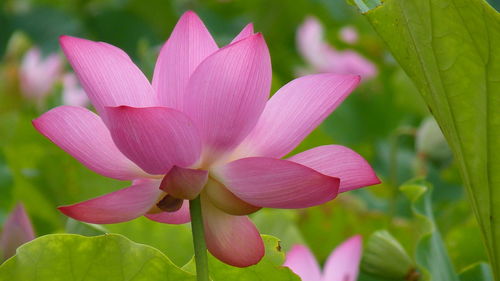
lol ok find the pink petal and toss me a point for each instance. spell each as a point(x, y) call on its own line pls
point(303, 263)
point(184, 183)
point(349, 62)
point(189, 44)
point(81, 133)
point(226, 201)
point(275, 183)
point(107, 74)
point(324, 58)
point(311, 42)
point(232, 239)
point(244, 33)
point(119, 206)
point(155, 138)
point(349, 34)
point(17, 230)
point(343, 263)
point(179, 217)
point(341, 162)
point(227, 93)
point(295, 111)
point(37, 75)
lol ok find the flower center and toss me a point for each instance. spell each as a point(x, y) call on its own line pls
point(169, 203)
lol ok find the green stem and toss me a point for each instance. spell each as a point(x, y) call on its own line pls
point(393, 164)
point(200, 247)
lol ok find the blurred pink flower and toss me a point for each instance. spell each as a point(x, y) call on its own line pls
point(16, 231)
point(323, 57)
point(205, 126)
point(348, 34)
point(37, 75)
point(72, 93)
point(341, 265)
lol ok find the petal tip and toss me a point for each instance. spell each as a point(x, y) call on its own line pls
point(66, 210)
point(36, 122)
point(189, 13)
point(357, 238)
point(64, 40)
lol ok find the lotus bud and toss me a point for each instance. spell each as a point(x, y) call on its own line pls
point(430, 141)
point(385, 257)
point(17, 230)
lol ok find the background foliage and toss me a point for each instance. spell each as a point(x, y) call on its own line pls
point(379, 120)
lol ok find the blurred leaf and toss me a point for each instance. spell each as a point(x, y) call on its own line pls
point(477, 272)
point(326, 226)
point(269, 268)
point(464, 243)
point(122, 29)
point(66, 257)
point(45, 24)
point(6, 182)
point(85, 229)
point(431, 255)
point(279, 223)
point(450, 50)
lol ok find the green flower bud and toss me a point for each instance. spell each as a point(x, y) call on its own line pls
point(17, 45)
point(430, 141)
point(385, 257)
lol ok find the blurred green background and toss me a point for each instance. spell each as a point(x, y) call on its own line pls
point(379, 120)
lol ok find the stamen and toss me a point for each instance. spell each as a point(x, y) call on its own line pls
point(169, 204)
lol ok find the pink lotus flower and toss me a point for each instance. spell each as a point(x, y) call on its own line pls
point(16, 231)
point(72, 93)
point(205, 127)
point(38, 75)
point(341, 265)
point(323, 57)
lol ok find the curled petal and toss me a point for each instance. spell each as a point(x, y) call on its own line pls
point(17, 230)
point(232, 239)
point(275, 183)
point(227, 93)
point(155, 138)
point(341, 162)
point(244, 33)
point(119, 206)
point(226, 201)
point(189, 44)
point(178, 217)
point(303, 263)
point(343, 263)
point(295, 111)
point(81, 133)
point(184, 183)
point(107, 74)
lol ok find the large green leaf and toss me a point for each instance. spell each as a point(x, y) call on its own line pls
point(449, 48)
point(269, 268)
point(431, 255)
point(173, 240)
point(67, 257)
